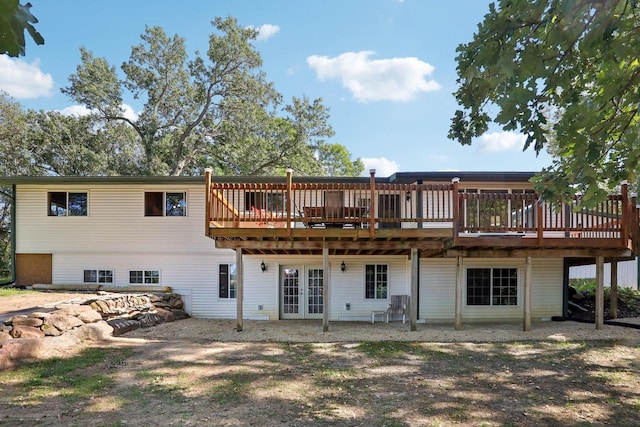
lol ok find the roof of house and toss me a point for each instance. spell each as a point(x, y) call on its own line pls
point(399, 177)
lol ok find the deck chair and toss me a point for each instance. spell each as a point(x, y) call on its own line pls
point(399, 307)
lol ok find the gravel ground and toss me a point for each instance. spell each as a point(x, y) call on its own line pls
point(199, 330)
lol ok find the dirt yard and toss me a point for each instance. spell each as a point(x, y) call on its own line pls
point(203, 372)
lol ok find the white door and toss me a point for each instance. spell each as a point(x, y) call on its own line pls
point(301, 292)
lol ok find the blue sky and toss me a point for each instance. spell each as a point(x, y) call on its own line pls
point(385, 68)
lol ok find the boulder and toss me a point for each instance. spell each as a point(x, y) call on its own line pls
point(19, 349)
point(22, 331)
point(50, 330)
point(98, 331)
point(26, 321)
point(149, 319)
point(62, 321)
point(5, 336)
point(90, 316)
point(166, 315)
point(39, 315)
point(122, 326)
point(180, 314)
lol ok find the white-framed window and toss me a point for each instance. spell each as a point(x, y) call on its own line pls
point(226, 281)
point(98, 276)
point(165, 203)
point(492, 286)
point(148, 277)
point(67, 203)
point(376, 281)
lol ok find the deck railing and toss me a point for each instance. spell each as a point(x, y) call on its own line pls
point(375, 205)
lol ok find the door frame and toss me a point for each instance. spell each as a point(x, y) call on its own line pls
point(303, 291)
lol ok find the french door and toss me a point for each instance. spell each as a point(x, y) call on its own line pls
point(301, 292)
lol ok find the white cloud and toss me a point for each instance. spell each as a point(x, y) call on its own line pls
point(383, 166)
point(22, 80)
point(81, 110)
point(501, 141)
point(266, 31)
point(395, 79)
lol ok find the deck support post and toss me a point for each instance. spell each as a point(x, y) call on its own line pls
point(239, 289)
point(459, 278)
point(599, 291)
point(613, 296)
point(326, 288)
point(207, 205)
point(527, 294)
point(413, 301)
point(288, 200)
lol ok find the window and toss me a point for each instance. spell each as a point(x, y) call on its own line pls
point(376, 281)
point(150, 277)
point(62, 203)
point(492, 286)
point(158, 203)
point(98, 276)
point(227, 281)
point(273, 202)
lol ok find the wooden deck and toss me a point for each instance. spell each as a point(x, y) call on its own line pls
point(374, 217)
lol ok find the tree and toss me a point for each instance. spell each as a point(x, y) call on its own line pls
point(565, 71)
point(213, 110)
point(81, 146)
point(14, 19)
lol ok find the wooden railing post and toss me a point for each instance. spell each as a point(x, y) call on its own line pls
point(207, 206)
point(456, 208)
point(626, 215)
point(289, 180)
point(372, 208)
point(539, 221)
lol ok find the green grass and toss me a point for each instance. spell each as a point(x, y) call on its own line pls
point(384, 350)
point(10, 292)
point(69, 377)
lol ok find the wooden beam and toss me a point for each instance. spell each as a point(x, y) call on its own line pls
point(613, 296)
point(326, 291)
point(527, 294)
point(239, 290)
point(413, 301)
point(599, 292)
point(536, 253)
point(458, 301)
point(318, 245)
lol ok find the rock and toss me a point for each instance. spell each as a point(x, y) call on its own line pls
point(166, 315)
point(90, 316)
point(17, 350)
point(122, 326)
point(26, 321)
point(98, 331)
point(62, 321)
point(100, 306)
point(180, 314)
point(149, 319)
point(22, 331)
point(50, 331)
point(39, 315)
point(5, 336)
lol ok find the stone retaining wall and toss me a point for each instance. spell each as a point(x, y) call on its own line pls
point(27, 337)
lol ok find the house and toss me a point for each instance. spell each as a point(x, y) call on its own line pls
point(463, 246)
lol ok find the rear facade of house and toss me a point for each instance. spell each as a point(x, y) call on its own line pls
point(477, 246)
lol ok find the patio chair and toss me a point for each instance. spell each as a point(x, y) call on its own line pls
point(399, 307)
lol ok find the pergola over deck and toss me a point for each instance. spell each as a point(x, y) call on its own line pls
point(498, 215)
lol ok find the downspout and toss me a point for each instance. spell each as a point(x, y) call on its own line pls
point(13, 237)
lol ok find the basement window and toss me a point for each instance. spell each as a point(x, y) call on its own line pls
point(492, 286)
point(98, 276)
point(148, 277)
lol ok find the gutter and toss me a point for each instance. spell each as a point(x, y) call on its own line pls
point(13, 237)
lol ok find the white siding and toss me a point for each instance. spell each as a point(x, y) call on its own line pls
point(627, 273)
point(437, 290)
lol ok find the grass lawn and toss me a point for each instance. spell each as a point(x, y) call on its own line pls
point(350, 384)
